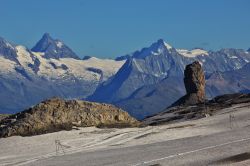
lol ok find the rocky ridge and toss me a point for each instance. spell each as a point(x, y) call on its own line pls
point(201, 110)
point(57, 114)
point(194, 104)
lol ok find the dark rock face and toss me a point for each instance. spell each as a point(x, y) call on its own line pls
point(8, 51)
point(194, 80)
point(57, 114)
point(53, 48)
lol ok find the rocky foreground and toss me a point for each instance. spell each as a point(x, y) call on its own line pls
point(202, 110)
point(56, 114)
point(193, 105)
point(2, 116)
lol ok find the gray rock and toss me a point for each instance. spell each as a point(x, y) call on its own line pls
point(56, 114)
point(194, 80)
point(184, 113)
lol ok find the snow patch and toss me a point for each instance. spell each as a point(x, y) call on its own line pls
point(233, 57)
point(24, 57)
point(9, 45)
point(167, 45)
point(38, 53)
point(193, 53)
point(7, 66)
point(59, 44)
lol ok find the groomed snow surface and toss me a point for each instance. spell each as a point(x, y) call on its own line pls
point(22, 150)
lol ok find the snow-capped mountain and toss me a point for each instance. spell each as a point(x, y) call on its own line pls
point(27, 77)
point(142, 83)
point(136, 87)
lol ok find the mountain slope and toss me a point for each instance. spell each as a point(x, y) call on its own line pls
point(229, 82)
point(27, 77)
point(53, 48)
point(146, 67)
point(151, 67)
point(7, 50)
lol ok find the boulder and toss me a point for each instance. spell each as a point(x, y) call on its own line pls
point(194, 80)
point(57, 114)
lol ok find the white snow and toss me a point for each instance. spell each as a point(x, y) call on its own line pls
point(7, 66)
point(137, 65)
point(9, 45)
point(154, 53)
point(167, 45)
point(76, 68)
point(192, 53)
point(59, 44)
point(20, 150)
point(23, 56)
point(233, 57)
point(237, 65)
point(38, 54)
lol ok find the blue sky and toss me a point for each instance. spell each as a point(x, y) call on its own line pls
point(110, 28)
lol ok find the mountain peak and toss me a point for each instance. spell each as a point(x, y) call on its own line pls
point(248, 50)
point(7, 50)
point(47, 36)
point(53, 48)
point(157, 48)
point(163, 43)
point(43, 43)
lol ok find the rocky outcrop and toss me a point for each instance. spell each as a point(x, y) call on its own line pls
point(194, 80)
point(2, 116)
point(201, 110)
point(56, 114)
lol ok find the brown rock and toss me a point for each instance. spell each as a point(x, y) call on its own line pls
point(194, 80)
point(56, 114)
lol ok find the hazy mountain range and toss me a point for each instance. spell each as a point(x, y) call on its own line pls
point(142, 83)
